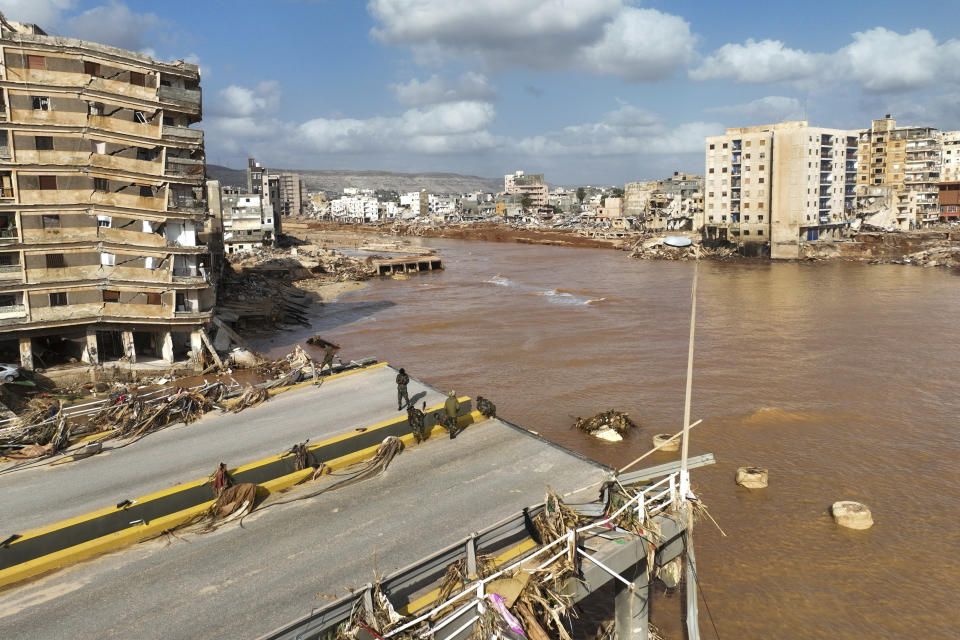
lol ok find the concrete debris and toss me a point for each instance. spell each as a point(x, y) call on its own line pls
point(611, 425)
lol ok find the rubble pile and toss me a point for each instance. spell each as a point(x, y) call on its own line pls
point(655, 249)
point(611, 425)
point(264, 288)
point(945, 256)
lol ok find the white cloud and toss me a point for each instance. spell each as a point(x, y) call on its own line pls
point(598, 36)
point(241, 102)
point(434, 90)
point(641, 45)
point(44, 13)
point(625, 131)
point(766, 109)
point(886, 61)
point(758, 62)
point(115, 24)
point(878, 61)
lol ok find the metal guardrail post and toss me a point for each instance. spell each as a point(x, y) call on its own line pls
point(472, 556)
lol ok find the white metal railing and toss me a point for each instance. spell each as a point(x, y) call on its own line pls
point(643, 505)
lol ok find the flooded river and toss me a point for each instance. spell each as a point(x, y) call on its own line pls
point(842, 379)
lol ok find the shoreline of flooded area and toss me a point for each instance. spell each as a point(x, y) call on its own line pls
point(838, 377)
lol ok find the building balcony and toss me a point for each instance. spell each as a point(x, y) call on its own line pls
point(183, 204)
point(184, 133)
point(12, 311)
point(9, 235)
point(11, 271)
point(187, 167)
point(178, 94)
point(118, 125)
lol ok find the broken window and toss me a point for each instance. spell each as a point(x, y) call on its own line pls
point(111, 296)
point(139, 116)
point(145, 154)
point(55, 261)
point(95, 108)
point(43, 143)
point(36, 62)
point(108, 259)
point(6, 184)
point(40, 103)
point(104, 221)
point(153, 298)
point(50, 221)
point(58, 299)
point(146, 192)
point(101, 184)
point(137, 78)
point(91, 68)
point(47, 182)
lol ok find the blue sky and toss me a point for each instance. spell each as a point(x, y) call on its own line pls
point(586, 91)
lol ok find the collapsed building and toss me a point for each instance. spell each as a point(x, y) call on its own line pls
point(104, 225)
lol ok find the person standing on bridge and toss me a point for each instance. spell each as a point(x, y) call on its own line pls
point(451, 409)
point(403, 398)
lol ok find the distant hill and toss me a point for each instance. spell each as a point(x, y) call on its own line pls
point(334, 181)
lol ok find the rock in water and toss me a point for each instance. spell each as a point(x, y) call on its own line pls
point(752, 477)
point(852, 515)
point(660, 438)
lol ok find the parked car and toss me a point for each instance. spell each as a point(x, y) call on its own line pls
point(8, 372)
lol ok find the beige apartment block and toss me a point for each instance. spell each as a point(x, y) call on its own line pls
point(906, 159)
point(103, 213)
point(950, 156)
point(532, 185)
point(775, 186)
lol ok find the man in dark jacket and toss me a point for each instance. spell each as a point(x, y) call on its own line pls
point(451, 409)
point(402, 396)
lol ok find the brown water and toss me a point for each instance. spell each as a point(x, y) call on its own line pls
point(840, 378)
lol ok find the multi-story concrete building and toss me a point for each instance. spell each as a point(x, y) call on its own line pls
point(292, 195)
point(103, 202)
point(418, 202)
point(906, 159)
point(248, 223)
point(772, 186)
point(532, 186)
point(950, 156)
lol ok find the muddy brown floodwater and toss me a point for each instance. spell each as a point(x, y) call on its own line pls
point(840, 378)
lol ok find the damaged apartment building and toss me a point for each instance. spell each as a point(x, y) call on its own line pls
point(103, 214)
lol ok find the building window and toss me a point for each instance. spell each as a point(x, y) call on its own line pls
point(763, 142)
point(724, 145)
point(713, 146)
point(139, 116)
point(746, 218)
point(761, 180)
point(55, 261)
point(724, 170)
point(759, 205)
point(746, 156)
point(747, 143)
point(153, 298)
point(101, 184)
point(98, 147)
point(94, 108)
point(111, 296)
point(58, 299)
point(146, 192)
point(43, 143)
point(36, 62)
point(746, 205)
point(91, 68)
point(710, 170)
point(108, 259)
point(48, 182)
point(50, 222)
point(104, 221)
point(710, 194)
point(138, 79)
point(746, 232)
point(759, 232)
point(145, 154)
point(761, 167)
point(40, 103)
point(760, 217)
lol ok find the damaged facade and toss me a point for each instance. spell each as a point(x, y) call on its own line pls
point(103, 210)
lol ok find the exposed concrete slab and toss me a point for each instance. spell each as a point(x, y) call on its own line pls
point(243, 582)
point(37, 497)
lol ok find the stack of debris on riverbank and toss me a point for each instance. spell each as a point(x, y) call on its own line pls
point(654, 247)
point(271, 286)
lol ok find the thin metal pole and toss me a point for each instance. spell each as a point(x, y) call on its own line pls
point(684, 478)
